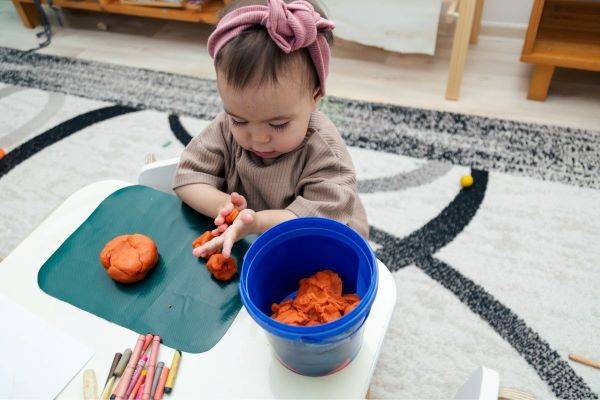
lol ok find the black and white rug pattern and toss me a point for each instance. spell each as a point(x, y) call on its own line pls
point(502, 275)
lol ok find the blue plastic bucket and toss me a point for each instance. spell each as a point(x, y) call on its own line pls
point(297, 249)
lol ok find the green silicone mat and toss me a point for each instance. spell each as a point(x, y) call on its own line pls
point(178, 300)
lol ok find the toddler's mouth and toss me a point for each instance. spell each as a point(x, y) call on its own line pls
point(263, 154)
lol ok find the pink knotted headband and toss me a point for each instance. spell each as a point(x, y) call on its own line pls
point(292, 26)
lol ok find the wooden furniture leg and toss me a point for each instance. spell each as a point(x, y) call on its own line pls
point(540, 82)
point(460, 45)
point(30, 16)
point(476, 22)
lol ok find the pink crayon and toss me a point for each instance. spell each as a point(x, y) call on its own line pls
point(140, 391)
point(147, 341)
point(151, 367)
point(136, 375)
point(160, 389)
point(138, 386)
point(135, 357)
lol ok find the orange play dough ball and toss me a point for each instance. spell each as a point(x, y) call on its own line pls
point(2, 153)
point(220, 267)
point(128, 258)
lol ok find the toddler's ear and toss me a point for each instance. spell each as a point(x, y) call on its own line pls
point(316, 97)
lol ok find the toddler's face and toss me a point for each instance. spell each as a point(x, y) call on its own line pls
point(269, 120)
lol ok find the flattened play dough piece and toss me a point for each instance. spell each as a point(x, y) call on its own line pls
point(319, 300)
point(232, 216)
point(128, 258)
point(220, 267)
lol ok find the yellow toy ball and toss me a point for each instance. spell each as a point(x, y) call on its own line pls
point(466, 181)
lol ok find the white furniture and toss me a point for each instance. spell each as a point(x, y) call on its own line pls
point(243, 353)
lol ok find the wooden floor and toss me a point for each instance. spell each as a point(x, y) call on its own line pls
point(495, 82)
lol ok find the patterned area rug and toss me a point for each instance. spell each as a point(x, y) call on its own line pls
point(503, 275)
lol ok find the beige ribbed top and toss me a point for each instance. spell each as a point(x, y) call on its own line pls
point(316, 179)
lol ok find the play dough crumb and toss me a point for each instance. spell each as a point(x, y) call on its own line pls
point(128, 258)
point(319, 300)
point(231, 216)
point(220, 267)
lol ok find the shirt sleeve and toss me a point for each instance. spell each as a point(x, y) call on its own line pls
point(327, 187)
point(204, 158)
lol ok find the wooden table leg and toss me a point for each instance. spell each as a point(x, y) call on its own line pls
point(476, 22)
point(30, 16)
point(540, 82)
point(460, 45)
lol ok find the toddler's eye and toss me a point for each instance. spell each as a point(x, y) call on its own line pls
point(279, 126)
point(237, 122)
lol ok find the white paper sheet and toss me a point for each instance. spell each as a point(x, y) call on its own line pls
point(37, 360)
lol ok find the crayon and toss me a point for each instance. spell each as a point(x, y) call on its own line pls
point(147, 341)
point(116, 359)
point(173, 372)
point(90, 386)
point(160, 389)
point(106, 393)
point(138, 384)
point(151, 367)
point(140, 392)
point(135, 357)
point(136, 375)
point(157, 373)
point(120, 368)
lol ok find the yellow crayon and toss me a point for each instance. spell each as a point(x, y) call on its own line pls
point(108, 388)
point(173, 372)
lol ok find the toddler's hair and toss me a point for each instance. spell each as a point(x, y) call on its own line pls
point(253, 58)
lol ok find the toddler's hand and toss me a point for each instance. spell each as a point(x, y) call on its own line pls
point(241, 227)
point(236, 200)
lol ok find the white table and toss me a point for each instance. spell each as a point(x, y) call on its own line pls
point(243, 353)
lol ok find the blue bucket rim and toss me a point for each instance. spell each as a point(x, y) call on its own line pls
point(318, 331)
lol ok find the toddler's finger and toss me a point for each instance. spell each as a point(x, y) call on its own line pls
point(227, 245)
point(247, 218)
point(208, 247)
point(221, 228)
point(227, 209)
point(237, 199)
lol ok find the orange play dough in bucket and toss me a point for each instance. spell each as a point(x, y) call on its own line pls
point(319, 300)
point(128, 258)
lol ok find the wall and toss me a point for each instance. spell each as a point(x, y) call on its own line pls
point(507, 12)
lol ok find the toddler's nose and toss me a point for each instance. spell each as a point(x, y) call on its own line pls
point(261, 138)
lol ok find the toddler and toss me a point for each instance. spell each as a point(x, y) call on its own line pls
point(270, 154)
